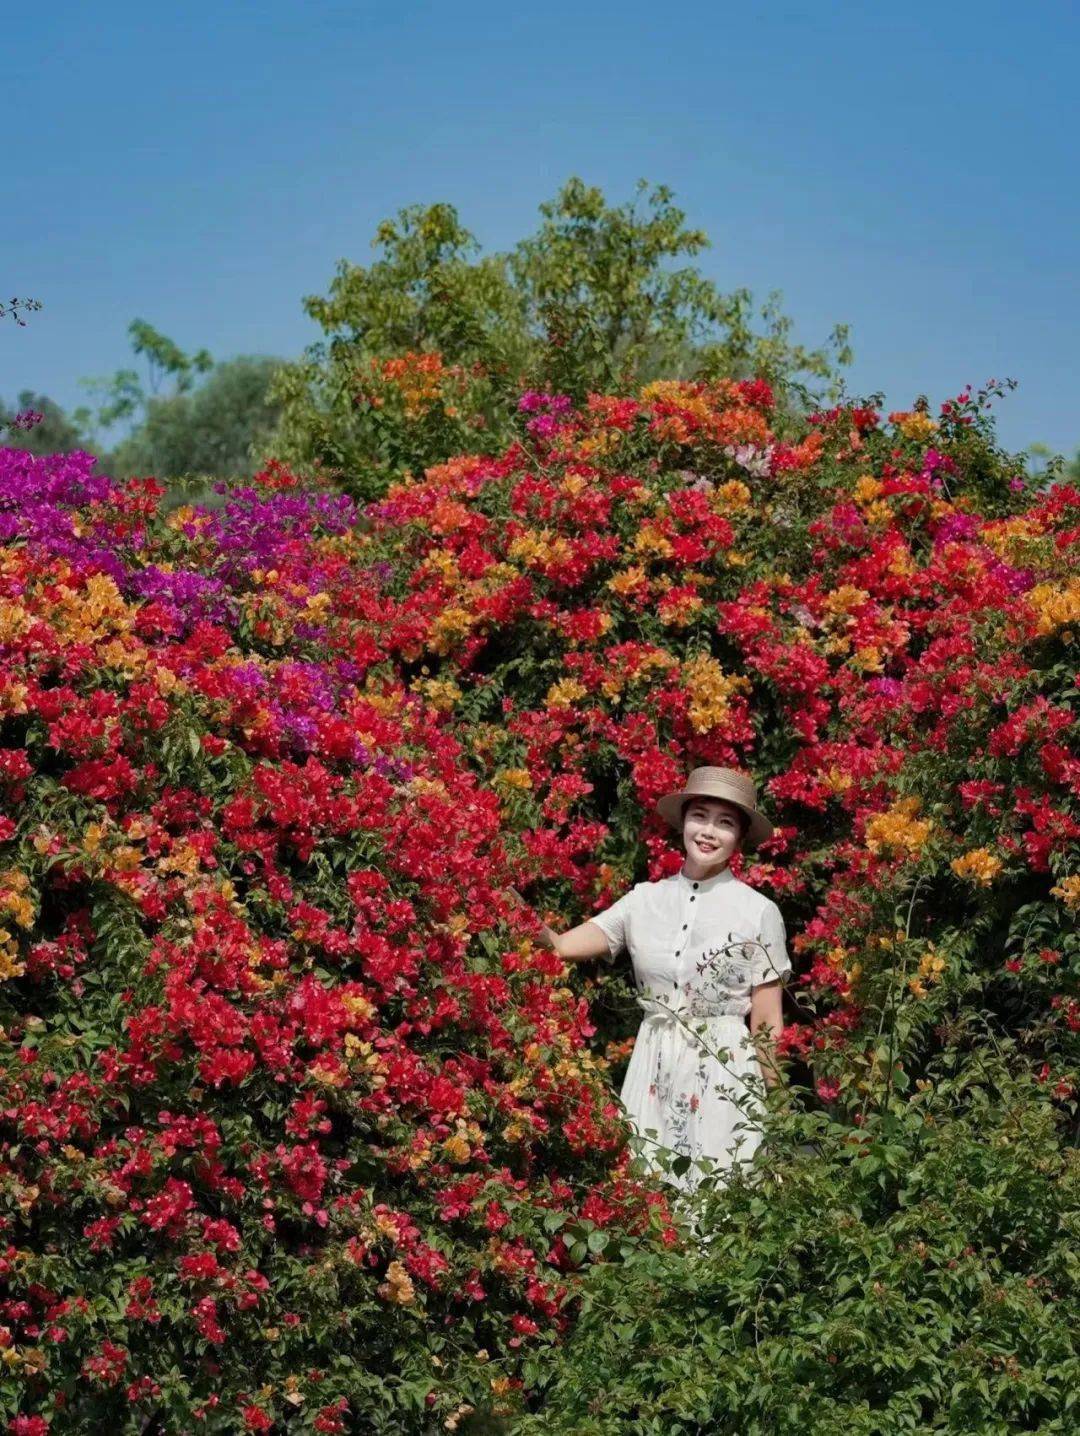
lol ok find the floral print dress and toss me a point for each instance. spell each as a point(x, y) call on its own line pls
point(698, 948)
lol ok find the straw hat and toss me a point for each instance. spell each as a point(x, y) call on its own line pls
point(727, 783)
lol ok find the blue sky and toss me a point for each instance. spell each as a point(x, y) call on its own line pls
point(911, 170)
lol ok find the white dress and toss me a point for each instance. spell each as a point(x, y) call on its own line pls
point(698, 949)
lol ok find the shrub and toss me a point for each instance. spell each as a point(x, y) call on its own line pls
point(878, 617)
point(268, 770)
point(296, 1124)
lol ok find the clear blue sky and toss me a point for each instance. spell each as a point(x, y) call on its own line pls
point(910, 169)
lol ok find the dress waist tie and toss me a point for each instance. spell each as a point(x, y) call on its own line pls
point(689, 1019)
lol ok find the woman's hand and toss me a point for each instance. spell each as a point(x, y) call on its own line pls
point(578, 945)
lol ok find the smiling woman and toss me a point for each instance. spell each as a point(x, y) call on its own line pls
point(708, 951)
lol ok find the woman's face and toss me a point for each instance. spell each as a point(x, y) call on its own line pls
point(712, 831)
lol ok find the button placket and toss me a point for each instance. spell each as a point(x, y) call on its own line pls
point(684, 931)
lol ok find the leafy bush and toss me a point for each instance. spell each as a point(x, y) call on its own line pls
point(918, 1275)
point(277, 1046)
point(879, 618)
point(219, 429)
point(295, 1125)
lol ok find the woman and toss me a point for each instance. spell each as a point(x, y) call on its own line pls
point(708, 951)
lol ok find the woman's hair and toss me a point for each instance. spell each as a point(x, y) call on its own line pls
point(744, 818)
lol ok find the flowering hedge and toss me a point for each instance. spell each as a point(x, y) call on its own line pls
point(298, 1129)
point(877, 618)
point(301, 1129)
point(877, 615)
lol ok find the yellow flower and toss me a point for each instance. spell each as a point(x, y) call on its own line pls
point(397, 1288)
point(1055, 605)
point(358, 1007)
point(457, 1148)
point(846, 598)
point(14, 885)
point(564, 693)
point(978, 866)
point(12, 695)
point(628, 581)
point(915, 425)
point(9, 951)
point(649, 540)
point(426, 787)
point(837, 781)
point(387, 1227)
point(1068, 890)
point(732, 497)
point(878, 513)
point(512, 779)
point(539, 548)
point(866, 489)
point(710, 690)
point(931, 966)
point(901, 562)
point(441, 693)
point(867, 660)
point(679, 613)
point(602, 442)
point(14, 621)
point(898, 830)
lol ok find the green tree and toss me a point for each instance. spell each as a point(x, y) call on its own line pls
point(219, 428)
point(57, 433)
point(123, 397)
point(428, 291)
point(602, 288)
point(600, 295)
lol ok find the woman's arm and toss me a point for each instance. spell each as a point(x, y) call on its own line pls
point(766, 1023)
point(579, 944)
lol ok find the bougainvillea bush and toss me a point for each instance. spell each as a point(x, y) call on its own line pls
point(302, 1129)
point(298, 1129)
point(877, 615)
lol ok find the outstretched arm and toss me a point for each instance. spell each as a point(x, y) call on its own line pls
point(579, 944)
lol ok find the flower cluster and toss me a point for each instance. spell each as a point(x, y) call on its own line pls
point(295, 1108)
point(300, 1123)
point(870, 615)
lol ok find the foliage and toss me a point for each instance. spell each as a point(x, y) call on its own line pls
point(39, 425)
point(191, 417)
point(917, 1275)
point(295, 1119)
point(279, 1045)
point(220, 428)
point(16, 308)
point(428, 348)
point(123, 398)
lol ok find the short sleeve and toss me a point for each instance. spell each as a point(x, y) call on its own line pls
point(771, 960)
point(612, 922)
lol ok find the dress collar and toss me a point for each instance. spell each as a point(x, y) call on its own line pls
point(725, 875)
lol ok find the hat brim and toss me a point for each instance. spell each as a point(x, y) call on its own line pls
point(670, 808)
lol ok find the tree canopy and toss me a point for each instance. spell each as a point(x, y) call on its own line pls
point(600, 296)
